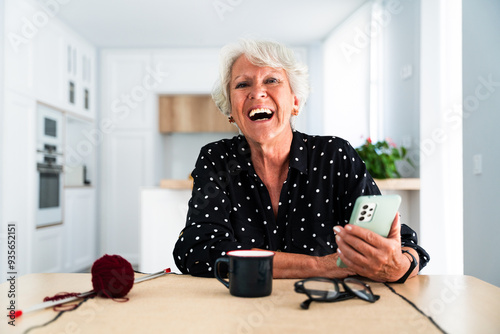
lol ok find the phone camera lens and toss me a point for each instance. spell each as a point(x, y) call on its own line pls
point(361, 218)
point(363, 213)
point(365, 207)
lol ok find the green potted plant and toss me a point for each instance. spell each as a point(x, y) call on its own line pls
point(380, 158)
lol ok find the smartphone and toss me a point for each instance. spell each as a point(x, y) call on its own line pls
point(374, 212)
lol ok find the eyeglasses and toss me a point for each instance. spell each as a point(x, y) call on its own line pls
point(327, 290)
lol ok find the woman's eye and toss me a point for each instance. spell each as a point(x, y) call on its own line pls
point(241, 85)
point(272, 80)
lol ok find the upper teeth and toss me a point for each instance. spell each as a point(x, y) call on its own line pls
point(260, 110)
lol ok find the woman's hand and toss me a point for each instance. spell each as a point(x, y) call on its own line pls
point(371, 255)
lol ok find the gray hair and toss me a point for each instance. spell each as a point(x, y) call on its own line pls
point(260, 53)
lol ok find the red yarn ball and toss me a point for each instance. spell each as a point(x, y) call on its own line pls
point(112, 276)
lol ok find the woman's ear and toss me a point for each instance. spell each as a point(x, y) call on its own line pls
point(295, 110)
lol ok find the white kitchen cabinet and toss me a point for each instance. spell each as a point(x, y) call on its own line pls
point(19, 47)
point(163, 216)
point(129, 107)
point(48, 250)
point(48, 74)
point(18, 178)
point(34, 68)
point(129, 83)
point(44, 61)
point(64, 70)
point(127, 168)
point(79, 228)
point(78, 67)
point(87, 89)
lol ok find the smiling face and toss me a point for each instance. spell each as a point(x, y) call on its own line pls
point(262, 101)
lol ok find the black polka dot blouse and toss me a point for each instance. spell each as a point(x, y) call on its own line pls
point(230, 207)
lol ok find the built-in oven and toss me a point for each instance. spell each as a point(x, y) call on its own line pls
point(49, 166)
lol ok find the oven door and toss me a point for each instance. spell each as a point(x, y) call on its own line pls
point(50, 190)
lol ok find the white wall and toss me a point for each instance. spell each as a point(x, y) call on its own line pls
point(314, 106)
point(180, 151)
point(481, 116)
point(398, 116)
point(441, 201)
point(3, 227)
point(400, 76)
point(346, 83)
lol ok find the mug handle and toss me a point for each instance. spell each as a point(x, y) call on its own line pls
point(217, 274)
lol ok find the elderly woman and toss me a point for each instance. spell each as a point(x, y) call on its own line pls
point(274, 188)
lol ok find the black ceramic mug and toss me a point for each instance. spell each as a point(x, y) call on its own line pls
point(250, 272)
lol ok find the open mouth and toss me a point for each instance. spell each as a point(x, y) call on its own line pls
point(260, 114)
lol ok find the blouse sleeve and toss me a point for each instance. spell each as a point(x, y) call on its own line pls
point(208, 233)
point(409, 239)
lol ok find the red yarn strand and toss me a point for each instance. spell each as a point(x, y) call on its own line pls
point(61, 295)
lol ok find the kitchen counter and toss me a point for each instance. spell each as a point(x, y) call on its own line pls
point(176, 184)
point(398, 184)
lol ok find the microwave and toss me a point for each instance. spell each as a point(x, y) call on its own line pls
point(49, 130)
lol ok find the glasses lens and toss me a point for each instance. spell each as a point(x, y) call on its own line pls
point(359, 289)
point(321, 289)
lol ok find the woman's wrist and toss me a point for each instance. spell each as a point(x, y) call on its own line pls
point(409, 266)
point(327, 267)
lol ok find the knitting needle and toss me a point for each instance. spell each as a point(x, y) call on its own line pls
point(151, 276)
point(52, 303)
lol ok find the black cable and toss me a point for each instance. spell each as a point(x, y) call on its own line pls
point(416, 308)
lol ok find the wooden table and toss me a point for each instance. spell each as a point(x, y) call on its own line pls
point(185, 304)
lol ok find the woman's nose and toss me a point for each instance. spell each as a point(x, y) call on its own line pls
point(257, 91)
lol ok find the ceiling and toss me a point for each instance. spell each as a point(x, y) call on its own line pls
point(202, 23)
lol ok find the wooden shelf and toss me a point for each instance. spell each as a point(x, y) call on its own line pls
point(398, 184)
point(191, 113)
